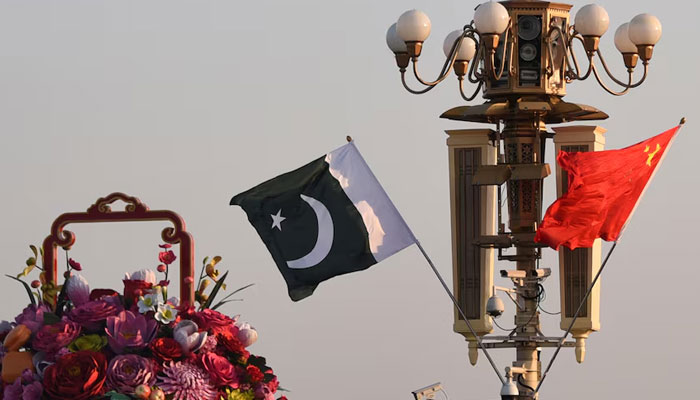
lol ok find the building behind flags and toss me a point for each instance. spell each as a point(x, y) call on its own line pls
point(604, 188)
point(327, 218)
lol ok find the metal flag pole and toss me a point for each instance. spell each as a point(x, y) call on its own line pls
point(459, 309)
point(573, 320)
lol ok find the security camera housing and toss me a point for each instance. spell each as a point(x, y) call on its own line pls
point(427, 392)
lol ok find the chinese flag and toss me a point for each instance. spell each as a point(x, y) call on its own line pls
point(604, 189)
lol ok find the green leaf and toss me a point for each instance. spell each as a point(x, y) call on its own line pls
point(27, 270)
point(26, 287)
point(222, 302)
point(214, 291)
point(33, 248)
point(62, 299)
point(241, 289)
point(237, 290)
point(204, 262)
point(31, 261)
point(51, 318)
point(116, 396)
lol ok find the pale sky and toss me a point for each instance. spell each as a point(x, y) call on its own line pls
point(186, 103)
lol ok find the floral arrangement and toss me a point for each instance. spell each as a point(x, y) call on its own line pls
point(75, 343)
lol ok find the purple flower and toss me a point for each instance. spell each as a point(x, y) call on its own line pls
point(5, 327)
point(14, 391)
point(126, 372)
point(28, 376)
point(32, 317)
point(186, 381)
point(129, 331)
point(78, 290)
point(92, 314)
point(33, 391)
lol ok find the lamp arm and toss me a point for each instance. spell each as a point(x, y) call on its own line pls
point(449, 61)
point(507, 49)
point(461, 90)
point(412, 91)
point(571, 51)
point(607, 71)
point(627, 87)
point(474, 75)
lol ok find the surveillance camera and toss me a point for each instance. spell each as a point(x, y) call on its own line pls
point(495, 307)
point(513, 274)
point(509, 391)
point(427, 392)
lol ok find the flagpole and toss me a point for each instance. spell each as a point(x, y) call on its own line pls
point(573, 320)
point(459, 309)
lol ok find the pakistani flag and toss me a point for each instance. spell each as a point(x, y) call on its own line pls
point(327, 218)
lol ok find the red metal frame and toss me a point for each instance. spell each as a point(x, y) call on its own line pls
point(135, 210)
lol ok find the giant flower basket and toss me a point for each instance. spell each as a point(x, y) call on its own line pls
point(134, 341)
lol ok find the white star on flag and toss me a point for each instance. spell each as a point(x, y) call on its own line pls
point(277, 220)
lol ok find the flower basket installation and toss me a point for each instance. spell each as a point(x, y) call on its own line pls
point(71, 342)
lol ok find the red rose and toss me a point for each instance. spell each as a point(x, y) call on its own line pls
point(230, 345)
point(221, 371)
point(254, 374)
point(76, 376)
point(166, 349)
point(214, 322)
point(134, 288)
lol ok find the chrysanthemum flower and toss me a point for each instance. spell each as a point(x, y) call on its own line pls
point(186, 382)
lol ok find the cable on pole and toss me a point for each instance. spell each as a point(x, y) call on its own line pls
point(461, 313)
point(573, 320)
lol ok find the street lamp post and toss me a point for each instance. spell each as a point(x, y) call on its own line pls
point(519, 55)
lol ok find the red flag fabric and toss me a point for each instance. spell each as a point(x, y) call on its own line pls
point(603, 191)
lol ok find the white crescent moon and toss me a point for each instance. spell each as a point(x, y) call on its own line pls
point(324, 241)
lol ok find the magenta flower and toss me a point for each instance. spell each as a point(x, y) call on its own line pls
point(126, 372)
point(167, 257)
point(263, 392)
point(185, 382)
point(129, 331)
point(51, 338)
point(32, 317)
point(74, 264)
point(92, 314)
point(78, 290)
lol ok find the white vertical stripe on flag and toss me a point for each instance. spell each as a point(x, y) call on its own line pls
point(388, 232)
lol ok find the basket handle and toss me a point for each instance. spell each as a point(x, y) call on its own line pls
point(135, 211)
